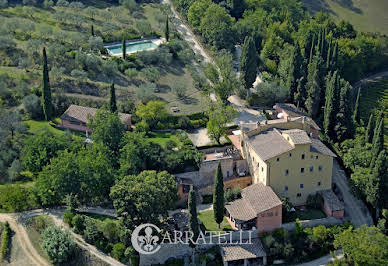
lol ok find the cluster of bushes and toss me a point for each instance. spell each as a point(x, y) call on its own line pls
point(16, 198)
point(185, 122)
point(58, 245)
point(302, 244)
point(229, 195)
point(5, 241)
point(106, 235)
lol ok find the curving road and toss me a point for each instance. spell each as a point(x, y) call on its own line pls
point(17, 222)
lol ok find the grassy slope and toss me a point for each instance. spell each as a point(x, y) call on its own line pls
point(373, 95)
point(207, 218)
point(150, 12)
point(368, 16)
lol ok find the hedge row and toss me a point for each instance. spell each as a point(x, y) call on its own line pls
point(5, 241)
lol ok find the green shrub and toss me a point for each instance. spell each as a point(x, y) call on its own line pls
point(132, 256)
point(5, 241)
point(233, 194)
point(206, 199)
point(15, 198)
point(118, 251)
point(57, 244)
point(78, 223)
point(91, 232)
point(68, 217)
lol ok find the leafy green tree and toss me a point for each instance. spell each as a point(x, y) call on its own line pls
point(16, 198)
point(193, 217)
point(219, 116)
point(46, 92)
point(369, 129)
point(236, 8)
point(356, 112)
point(124, 48)
point(108, 130)
point(313, 86)
point(110, 230)
point(57, 244)
point(33, 106)
point(227, 81)
point(345, 125)
point(41, 148)
point(248, 62)
point(216, 27)
point(112, 100)
point(331, 105)
point(71, 203)
point(78, 223)
point(144, 198)
point(91, 233)
point(364, 245)
point(118, 251)
point(218, 196)
point(152, 112)
point(167, 30)
point(196, 12)
point(58, 179)
point(378, 142)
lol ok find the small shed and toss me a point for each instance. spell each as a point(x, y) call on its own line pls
point(332, 206)
point(244, 254)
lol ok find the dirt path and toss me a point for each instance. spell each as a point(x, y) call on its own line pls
point(188, 34)
point(372, 78)
point(23, 240)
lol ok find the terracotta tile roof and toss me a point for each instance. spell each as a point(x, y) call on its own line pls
point(318, 147)
point(255, 199)
point(240, 210)
point(260, 197)
point(269, 143)
point(82, 113)
point(298, 136)
point(232, 252)
point(332, 201)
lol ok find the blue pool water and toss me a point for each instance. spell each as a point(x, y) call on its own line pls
point(132, 47)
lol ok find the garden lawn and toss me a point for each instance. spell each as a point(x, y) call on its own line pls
point(373, 95)
point(307, 214)
point(367, 16)
point(207, 219)
point(162, 138)
point(36, 126)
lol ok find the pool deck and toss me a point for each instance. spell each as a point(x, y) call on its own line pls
point(157, 41)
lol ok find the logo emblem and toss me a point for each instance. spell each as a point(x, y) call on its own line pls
point(144, 239)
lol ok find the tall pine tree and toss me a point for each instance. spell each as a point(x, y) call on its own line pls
point(112, 99)
point(345, 126)
point(313, 86)
point(167, 30)
point(378, 142)
point(193, 217)
point(218, 197)
point(369, 129)
point(356, 111)
point(92, 30)
point(46, 93)
point(124, 48)
point(331, 105)
point(248, 62)
point(300, 94)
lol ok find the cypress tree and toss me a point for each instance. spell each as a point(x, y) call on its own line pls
point(167, 31)
point(300, 94)
point(345, 127)
point(331, 105)
point(218, 197)
point(313, 86)
point(376, 188)
point(112, 100)
point(356, 111)
point(124, 48)
point(193, 217)
point(312, 49)
point(328, 67)
point(46, 93)
point(334, 58)
point(379, 116)
point(92, 30)
point(378, 142)
point(248, 62)
point(369, 129)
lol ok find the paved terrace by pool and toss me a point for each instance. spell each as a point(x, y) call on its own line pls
point(133, 46)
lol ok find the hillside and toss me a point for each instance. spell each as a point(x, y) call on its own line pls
point(367, 16)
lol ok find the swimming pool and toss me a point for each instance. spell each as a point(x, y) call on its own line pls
point(131, 47)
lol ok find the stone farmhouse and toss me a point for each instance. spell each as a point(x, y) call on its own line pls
point(283, 157)
point(77, 117)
